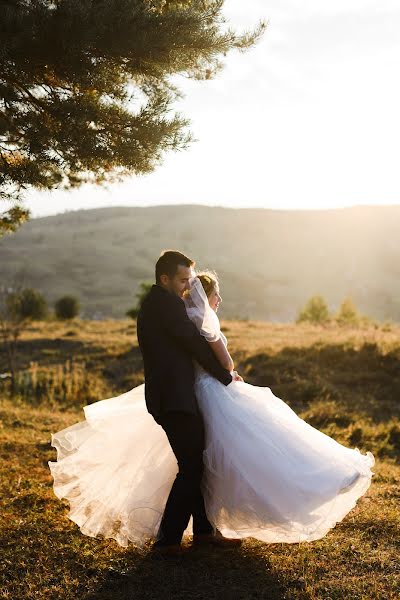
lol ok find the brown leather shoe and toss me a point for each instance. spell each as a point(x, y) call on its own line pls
point(215, 539)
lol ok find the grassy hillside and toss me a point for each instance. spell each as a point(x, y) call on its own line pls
point(269, 261)
point(345, 382)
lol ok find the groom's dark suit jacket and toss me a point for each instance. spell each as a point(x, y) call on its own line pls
point(169, 341)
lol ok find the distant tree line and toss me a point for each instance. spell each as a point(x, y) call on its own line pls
point(316, 311)
point(29, 304)
point(20, 305)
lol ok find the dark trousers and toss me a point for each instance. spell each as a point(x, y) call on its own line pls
point(186, 436)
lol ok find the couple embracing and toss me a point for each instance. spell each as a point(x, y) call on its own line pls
point(195, 449)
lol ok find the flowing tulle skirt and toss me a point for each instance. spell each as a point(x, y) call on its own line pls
point(268, 474)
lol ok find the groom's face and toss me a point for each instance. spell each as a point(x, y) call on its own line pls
point(179, 283)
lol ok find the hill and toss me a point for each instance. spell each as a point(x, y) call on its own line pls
point(269, 261)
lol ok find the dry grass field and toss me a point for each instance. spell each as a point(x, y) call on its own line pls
point(344, 381)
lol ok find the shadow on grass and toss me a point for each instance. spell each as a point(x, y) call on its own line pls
point(125, 370)
point(213, 574)
point(121, 372)
point(49, 352)
point(363, 381)
point(44, 560)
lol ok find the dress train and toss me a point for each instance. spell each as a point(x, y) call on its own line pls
point(268, 474)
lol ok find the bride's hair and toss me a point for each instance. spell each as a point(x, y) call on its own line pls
point(209, 281)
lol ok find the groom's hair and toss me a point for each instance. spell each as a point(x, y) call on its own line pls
point(169, 262)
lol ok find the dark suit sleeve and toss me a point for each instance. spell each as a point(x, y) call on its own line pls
point(181, 328)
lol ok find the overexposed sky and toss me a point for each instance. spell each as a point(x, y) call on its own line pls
point(308, 118)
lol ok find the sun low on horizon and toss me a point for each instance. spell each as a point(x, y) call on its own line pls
point(306, 119)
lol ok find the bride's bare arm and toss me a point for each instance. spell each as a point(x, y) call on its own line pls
point(222, 354)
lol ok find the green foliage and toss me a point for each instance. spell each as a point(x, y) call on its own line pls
point(86, 90)
point(67, 384)
point(33, 305)
point(11, 219)
point(10, 309)
point(144, 288)
point(347, 313)
point(314, 311)
point(18, 305)
point(67, 307)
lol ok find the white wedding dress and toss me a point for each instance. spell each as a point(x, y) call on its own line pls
point(268, 474)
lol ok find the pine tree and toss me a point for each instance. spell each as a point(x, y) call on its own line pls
point(86, 90)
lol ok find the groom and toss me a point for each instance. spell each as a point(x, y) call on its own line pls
point(169, 341)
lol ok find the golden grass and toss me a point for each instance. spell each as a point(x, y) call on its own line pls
point(345, 382)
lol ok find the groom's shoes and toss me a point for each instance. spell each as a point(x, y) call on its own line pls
point(168, 551)
point(215, 539)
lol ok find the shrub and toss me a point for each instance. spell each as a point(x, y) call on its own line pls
point(144, 288)
point(347, 313)
point(67, 307)
point(314, 311)
point(32, 305)
point(68, 384)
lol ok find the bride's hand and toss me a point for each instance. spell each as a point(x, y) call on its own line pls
point(236, 376)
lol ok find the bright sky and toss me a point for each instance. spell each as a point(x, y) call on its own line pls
point(308, 118)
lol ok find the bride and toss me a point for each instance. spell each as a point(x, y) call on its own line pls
point(267, 473)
